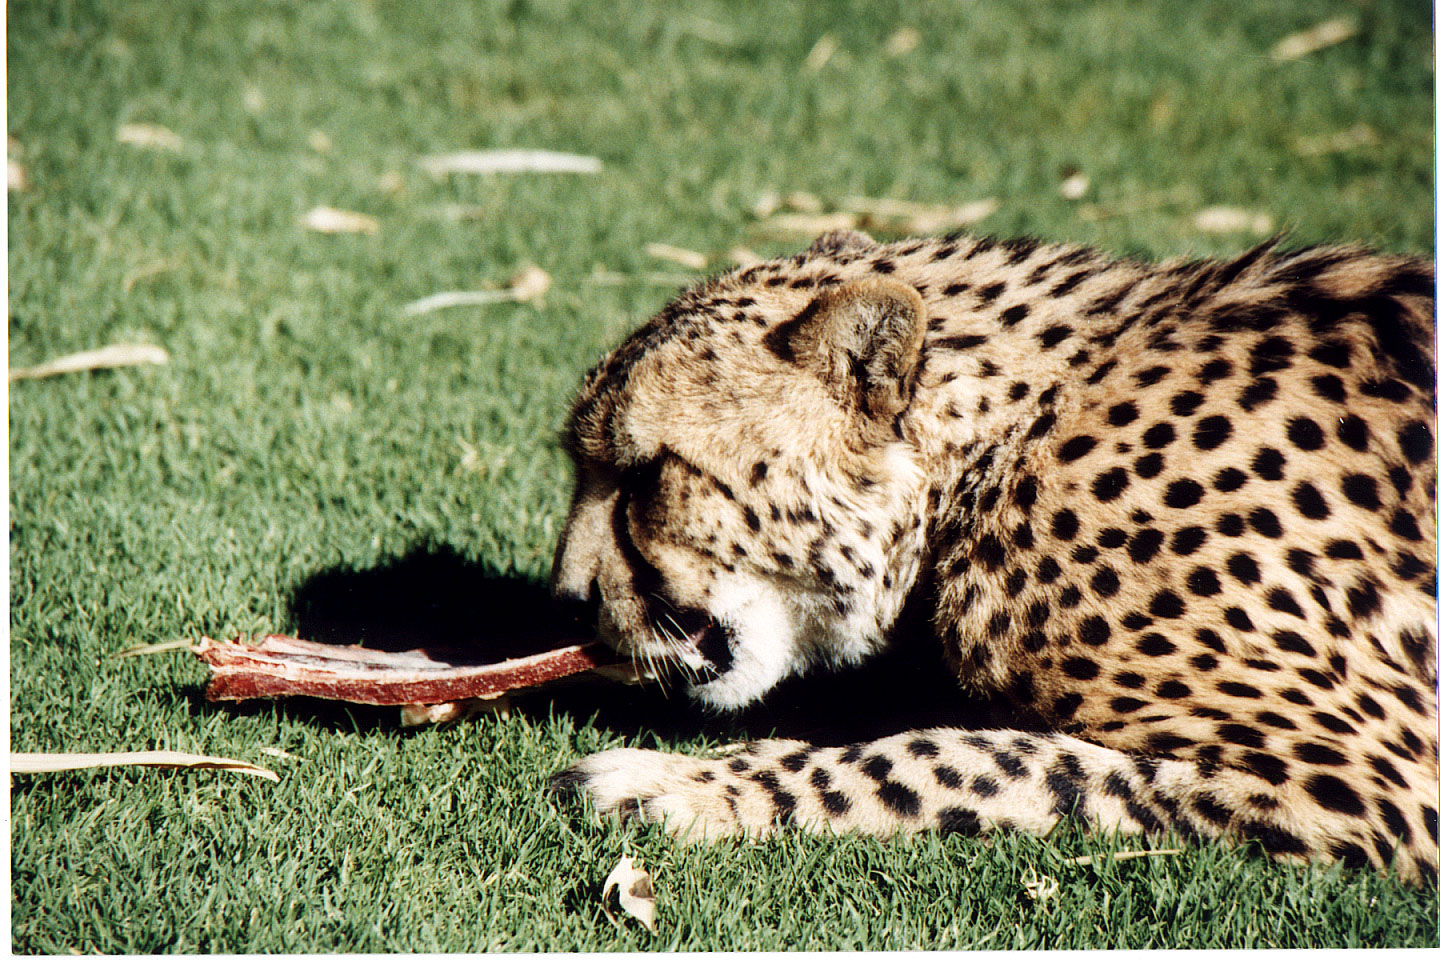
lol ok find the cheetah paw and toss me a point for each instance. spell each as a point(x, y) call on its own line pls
point(684, 793)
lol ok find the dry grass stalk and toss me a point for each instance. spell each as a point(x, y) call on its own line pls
point(1318, 37)
point(1233, 220)
point(1122, 855)
point(902, 41)
point(686, 258)
point(1360, 135)
point(1074, 186)
point(821, 53)
point(164, 759)
point(149, 648)
point(104, 358)
point(149, 136)
point(331, 220)
point(509, 161)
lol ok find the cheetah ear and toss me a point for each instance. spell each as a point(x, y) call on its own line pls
point(863, 340)
point(838, 241)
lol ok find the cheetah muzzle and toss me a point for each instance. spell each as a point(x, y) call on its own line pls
point(1181, 516)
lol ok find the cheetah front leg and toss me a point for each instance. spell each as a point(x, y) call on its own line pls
point(950, 780)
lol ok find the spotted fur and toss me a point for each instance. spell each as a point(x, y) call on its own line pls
point(1182, 515)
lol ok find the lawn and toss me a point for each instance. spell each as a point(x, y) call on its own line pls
point(313, 459)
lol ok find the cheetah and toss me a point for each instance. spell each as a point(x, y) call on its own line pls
point(1180, 516)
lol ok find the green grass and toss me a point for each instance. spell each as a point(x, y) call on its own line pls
point(301, 464)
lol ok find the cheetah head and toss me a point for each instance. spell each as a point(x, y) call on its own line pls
point(744, 482)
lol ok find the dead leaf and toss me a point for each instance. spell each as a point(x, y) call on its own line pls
point(637, 893)
point(425, 714)
point(509, 161)
point(149, 136)
point(1360, 135)
point(1121, 855)
point(104, 358)
point(319, 141)
point(391, 182)
point(821, 53)
point(1074, 186)
point(1232, 220)
point(331, 220)
point(902, 41)
point(165, 759)
point(686, 258)
point(766, 204)
point(252, 99)
point(742, 256)
point(1039, 887)
point(280, 754)
point(529, 284)
point(1318, 37)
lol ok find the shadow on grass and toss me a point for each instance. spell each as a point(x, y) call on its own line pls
point(434, 598)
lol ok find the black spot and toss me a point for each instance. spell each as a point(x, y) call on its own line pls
point(1211, 432)
point(1187, 540)
point(1130, 680)
point(1151, 375)
point(835, 803)
point(1145, 544)
point(1333, 353)
point(1202, 582)
point(1185, 403)
point(1392, 390)
point(1154, 645)
point(1204, 662)
point(958, 820)
point(1167, 605)
point(1230, 525)
point(1242, 690)
point(1269, 463)
point(1329, 386)
point(820, 778)
point(1110, 484)
point(1318, 753)
point(984, 786)
point(899, 798)
point(876, 767)
point(1229, 480)
point(1217, 369)
point(1041, 426)
point(1274, 840)
point(1305, 433)
point(1076, 447)
point(1065, 525)
point(1080, 668)
point(1363, 598)
point(1265, 522)
point(793, 762)
point(1239, 619)
point(1094, 631)
point(1047, 571)
point(1149, 465)
point(1415, 441)
point(1210, 639)
point(1270, 354)
point(1403, 525)
point(959, 343)
point(1167, 742)
point(1111, 537)
point(1266, 766)
point(1332, 793)
point(947, 777)
point(1354, 433)
point(1257, 394)
point(1085, 554)
point(1172, 690)
point(1182, 494)
point(1275, 720)
point(1122, 413)
point(1160, 435)
point(1387, 770)
point(1013, 315)
point(1105, 583)
point(1053, 335)
point(751, 520)
point(1309, 501)
point(1070, 597)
